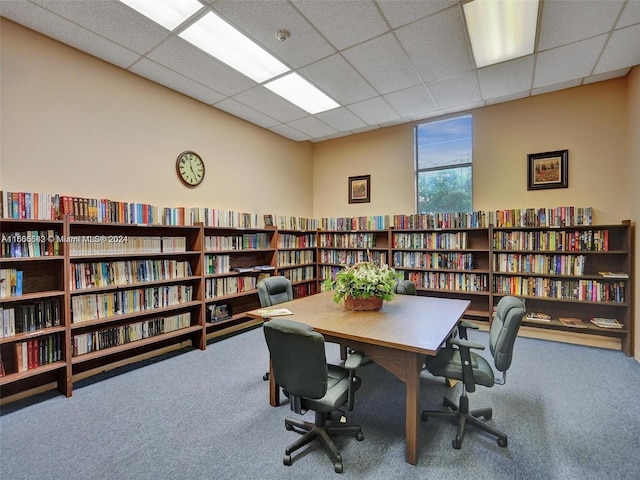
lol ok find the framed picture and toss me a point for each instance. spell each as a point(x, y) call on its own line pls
point(548, 170)
point(360, 189)
point(268, 220)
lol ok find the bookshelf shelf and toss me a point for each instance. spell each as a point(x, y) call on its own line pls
point(16, 377)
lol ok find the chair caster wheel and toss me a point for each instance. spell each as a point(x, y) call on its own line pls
point(337, 467)
point(488, 416)
point(359, 436)
point(502, 443)
point(457, 444)
point(265, 377)
point(286, 460)
point(288, 427)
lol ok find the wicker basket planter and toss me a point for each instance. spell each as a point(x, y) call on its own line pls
point(363, 304)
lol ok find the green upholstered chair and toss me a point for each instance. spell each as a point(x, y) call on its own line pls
point(457, 361)
point(300, 366)
point(271, 291)
point(405, 287)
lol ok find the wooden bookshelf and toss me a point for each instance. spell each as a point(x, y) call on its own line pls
point(296, 260)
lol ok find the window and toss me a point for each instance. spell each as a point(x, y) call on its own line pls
point(443, 165)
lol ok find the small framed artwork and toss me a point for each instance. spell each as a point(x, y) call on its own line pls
point(548, 170)
point(268, 220)
point(360, 189)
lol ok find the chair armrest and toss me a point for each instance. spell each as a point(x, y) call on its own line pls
point(463, 326)
point(354, 360)
point(464, 347)
point(466, 344)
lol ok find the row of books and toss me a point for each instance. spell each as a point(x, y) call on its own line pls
point(426, 260)
point(464, 282)
point(542, 264)
point(431, 240)
point(11, 282)
point(33, 353)
point(31, 243)
point(296, 223)
point(220, 287)
point(569, 241)
point(123, 334)
point(347, 240)
point(349, 257)
point(295, 257)
point(374, 222)
point(246, 241)
point(434, 221)
point(297, 241)
point(586, 290)
point(126, 272)
point(30, 317)
point(103, 305)
point(299, 274)
point(80, 245)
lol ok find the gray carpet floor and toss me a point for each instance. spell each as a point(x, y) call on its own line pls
point(571, 412)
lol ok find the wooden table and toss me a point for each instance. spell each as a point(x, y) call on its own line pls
point(398, 338)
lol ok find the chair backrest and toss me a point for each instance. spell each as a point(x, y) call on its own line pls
point(504, 330)
point(406, 287)
point(298, 359)
point(274, 290)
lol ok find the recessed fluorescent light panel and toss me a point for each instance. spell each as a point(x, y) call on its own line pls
point(301, 93)
point(501, 30)
point(168, 13)
point(218, 38)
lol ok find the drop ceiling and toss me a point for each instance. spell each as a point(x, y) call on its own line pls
point(386, 62)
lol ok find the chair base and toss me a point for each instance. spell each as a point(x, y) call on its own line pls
point(323, 432)
point(463, 417)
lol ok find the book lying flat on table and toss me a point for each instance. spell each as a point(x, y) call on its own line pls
point(606, 322)
point(273, 312)
point(572, 322)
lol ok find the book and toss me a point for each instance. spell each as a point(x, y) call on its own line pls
point(614, 274)
point(572, 322)
point(538, 317)
point(606, 322)
point(273, 312)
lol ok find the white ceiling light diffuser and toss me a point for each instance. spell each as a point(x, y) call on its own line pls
point(168, 13)
point(501, 30)
point(218, 38)
point(301, 93)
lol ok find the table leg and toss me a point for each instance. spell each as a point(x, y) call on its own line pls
point(412, 423)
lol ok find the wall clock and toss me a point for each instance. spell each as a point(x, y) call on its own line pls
point(190, 168)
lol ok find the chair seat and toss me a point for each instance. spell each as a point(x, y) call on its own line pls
point(447, 364)
point(337, 391)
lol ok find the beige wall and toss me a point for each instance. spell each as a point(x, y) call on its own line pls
point(589, 121)
point(75, 125)
point(634, 183)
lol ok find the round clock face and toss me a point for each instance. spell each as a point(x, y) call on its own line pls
point(190, 168)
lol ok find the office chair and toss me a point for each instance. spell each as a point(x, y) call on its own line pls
point(405, 287)
point(458, 362)
point(299, 365)
point(271, 291)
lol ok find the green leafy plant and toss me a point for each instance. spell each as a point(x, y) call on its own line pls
point(363, 280)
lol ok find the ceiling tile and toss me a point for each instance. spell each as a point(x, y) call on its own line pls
point(292, 133)
point(112, 20)
point(567, 63)
point(374, 111)
point(240, 110)
point(459, 90)
point(507, 77)
point(411, 101)
point(270, 104)
point(437, 45)
point(383, 62)
point(58, 28)
point(261, 20)
point(163, 76)
point(335, 77)
point(622, 50)
point(399, 13)
point(312, 127)
point(180, 56)
point(606, 76)
point(344, 23)
point(341, 119)
point(630, 14)
point(565, 22)
point(507, 98)
point(555, 87)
